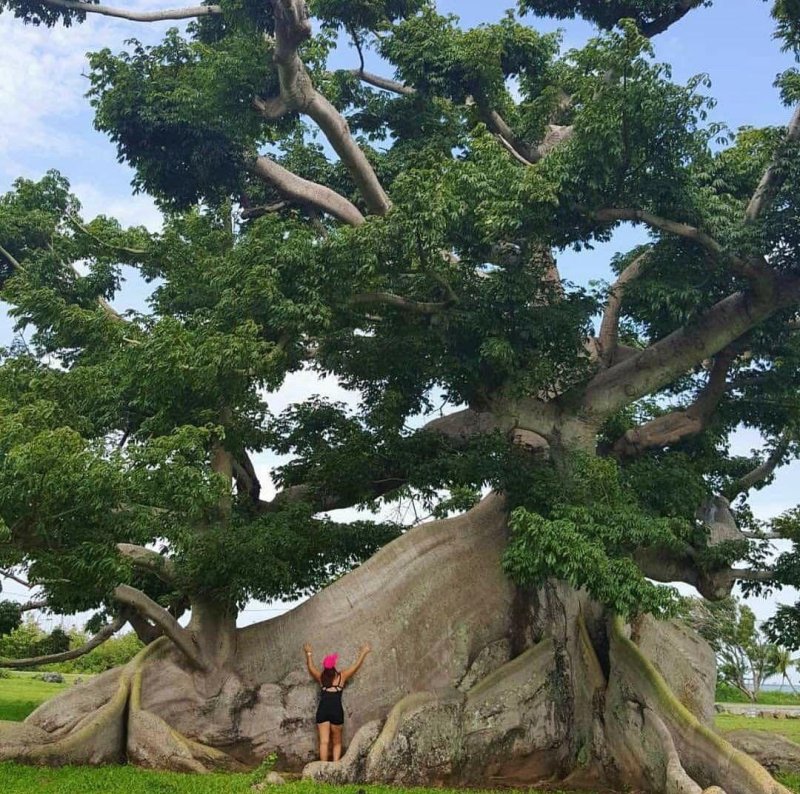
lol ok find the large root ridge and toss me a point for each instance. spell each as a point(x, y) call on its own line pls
point(706, 755)
point(153, 743)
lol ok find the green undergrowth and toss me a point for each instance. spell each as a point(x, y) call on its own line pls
point(729, 694)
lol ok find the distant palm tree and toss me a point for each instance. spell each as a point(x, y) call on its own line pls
point(783, 663)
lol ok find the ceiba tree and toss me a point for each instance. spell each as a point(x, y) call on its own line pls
point(399, 231)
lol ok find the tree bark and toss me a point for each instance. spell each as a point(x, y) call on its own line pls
point(471, 681)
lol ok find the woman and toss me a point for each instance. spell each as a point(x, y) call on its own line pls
point(330, 714)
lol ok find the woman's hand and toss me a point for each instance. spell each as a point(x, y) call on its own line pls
point(307, 648)
point(365, 649)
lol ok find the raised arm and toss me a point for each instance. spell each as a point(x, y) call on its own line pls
point(315, 674)
point(351, 671)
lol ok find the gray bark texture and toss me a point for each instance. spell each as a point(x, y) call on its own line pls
point(470, 681)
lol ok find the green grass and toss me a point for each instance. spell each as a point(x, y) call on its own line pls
point(790, 780)
point(790, 728)
point(15, 779)
point(21, 694)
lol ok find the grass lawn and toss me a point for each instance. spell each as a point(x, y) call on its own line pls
point(16, 779)
point(789, 728)
point(22, 693)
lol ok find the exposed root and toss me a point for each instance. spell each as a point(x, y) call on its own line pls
point(152, 743)
point(102, 735)
point(675, 780)
point(706, 756)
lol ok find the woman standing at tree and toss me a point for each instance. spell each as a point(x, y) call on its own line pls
point(330, 714)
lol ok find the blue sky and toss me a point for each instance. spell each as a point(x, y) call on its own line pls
point(47, 123)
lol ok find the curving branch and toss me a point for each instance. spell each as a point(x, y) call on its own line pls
point(148, 560)
point(105, 633)
point(677, 425)
point(29, 606)
point(608, 339)
point(384, 83)
point(292, 28)
point(773, 177)
point(304, 191)
point(496, 124)
point(14, 578)
point(135, 16)
point(399, 302)
point(665, 21)
point(155, 613)
point(762, 471)
point(739, 266)
point(144, 629)
point(123, 249)
point(458, 427)
point(684, 349)
point(244, 474)
point(525, 153)
point(102, 302)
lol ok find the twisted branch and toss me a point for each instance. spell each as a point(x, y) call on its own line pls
point(135, 16)
point(98, 639)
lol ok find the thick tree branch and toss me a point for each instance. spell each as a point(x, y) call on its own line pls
point(135, 16)
point(773, 177)
point(761, 472)
point(149, 560)
point(682, 350)
point(250, 213)
point(11, 260)
point(496, 124)
point(304, 191)
point(149, 609)
point(144, 630)
point(677, 425)
point(244, 474)
point(399, 302)
point(98, 639)
point(662, 23)
point(292, 27)
point(458, 427)
point(609, 328)
point(29, 606)
point(384, 83)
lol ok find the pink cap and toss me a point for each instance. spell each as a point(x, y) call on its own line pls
point(330, 660)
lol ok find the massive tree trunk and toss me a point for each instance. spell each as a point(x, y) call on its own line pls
point(471, 680)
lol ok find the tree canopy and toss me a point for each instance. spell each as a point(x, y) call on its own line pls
point(400, 232)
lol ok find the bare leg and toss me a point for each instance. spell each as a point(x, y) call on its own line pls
point(324, 740)
point(336, 738)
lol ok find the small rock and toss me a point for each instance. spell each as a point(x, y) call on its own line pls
point(270, 779)
point(53, 678)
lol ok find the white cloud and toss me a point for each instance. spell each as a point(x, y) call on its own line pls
point(129, 210)
point(43, 89)
point(42, 85)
